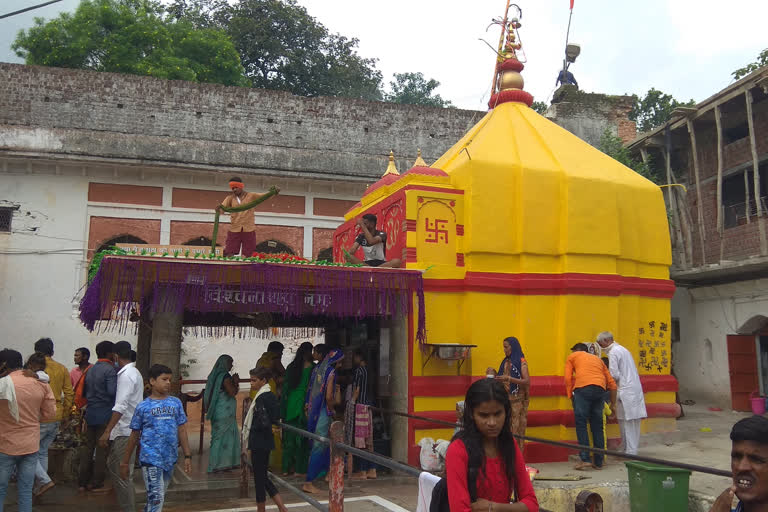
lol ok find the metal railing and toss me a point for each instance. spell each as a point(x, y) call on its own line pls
point(586, 501)
point(578, 447)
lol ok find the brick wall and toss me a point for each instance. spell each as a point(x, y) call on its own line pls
point(292, 236)
point(107, 115)
point(588, 115)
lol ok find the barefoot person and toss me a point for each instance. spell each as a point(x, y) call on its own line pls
point(586, 381)
point(242, 226)
point(324, 396)
point(374, 244)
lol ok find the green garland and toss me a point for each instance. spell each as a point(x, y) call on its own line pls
point(93, 268)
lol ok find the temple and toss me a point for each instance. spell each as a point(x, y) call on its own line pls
point(522, 229)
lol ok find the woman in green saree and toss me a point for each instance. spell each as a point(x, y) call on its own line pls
point(296, 447)
point(220, 400)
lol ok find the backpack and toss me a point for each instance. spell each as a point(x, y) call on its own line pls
point(440, 492)
point(261, 420)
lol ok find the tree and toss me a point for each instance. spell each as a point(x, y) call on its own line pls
point(654, 109)
point(282, 47)
point(540, 107)
point(414, 89)
point(762, 60)
point(131, 36)
point(613, 146)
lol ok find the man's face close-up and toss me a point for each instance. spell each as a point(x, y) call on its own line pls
point(749, 463)
point(370, 225)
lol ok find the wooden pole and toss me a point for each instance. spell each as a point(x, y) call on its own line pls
point(756, 171)
point(746, 196)
point(336, 472)
point(676, 221)
point(719, 126)
point(699, 206)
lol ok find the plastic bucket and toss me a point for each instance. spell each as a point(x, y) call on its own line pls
point(758, 405)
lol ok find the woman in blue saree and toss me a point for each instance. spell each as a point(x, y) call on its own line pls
point(323, 396)
point(220, 392)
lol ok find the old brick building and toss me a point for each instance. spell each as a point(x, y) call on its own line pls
point(588, 115)
point(718, 152)
point(89, 159)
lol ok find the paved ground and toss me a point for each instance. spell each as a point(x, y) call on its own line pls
point(201, 492)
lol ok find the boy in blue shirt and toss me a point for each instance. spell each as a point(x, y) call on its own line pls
point(158, 424)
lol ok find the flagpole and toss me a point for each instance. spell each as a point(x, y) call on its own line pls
point(501, 45)
point(567, 35)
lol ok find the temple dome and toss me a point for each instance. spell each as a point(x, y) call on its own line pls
point(547, 201)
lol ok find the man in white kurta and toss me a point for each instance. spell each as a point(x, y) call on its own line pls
point(630, 406)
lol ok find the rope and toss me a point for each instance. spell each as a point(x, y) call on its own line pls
point(273, 191)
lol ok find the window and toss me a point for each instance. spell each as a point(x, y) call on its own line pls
point(734, 133)
point(735, 196)
point(6, 218)
point(273, 247)
point(200, 241)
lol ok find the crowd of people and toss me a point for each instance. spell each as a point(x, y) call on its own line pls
point(309, 394)
point(119, 419)
point(103, 407)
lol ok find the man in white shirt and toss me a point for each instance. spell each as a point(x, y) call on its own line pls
point(631, 401)
point(130, 393)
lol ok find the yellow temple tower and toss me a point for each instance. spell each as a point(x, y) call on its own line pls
point(523, 229)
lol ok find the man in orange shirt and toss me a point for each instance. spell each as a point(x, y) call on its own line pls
point(24, 403)
point(586, 381)
point(242, 226)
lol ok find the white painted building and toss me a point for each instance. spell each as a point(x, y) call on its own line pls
point(89, 159)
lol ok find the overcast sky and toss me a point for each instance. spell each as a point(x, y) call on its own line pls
point(684, 47)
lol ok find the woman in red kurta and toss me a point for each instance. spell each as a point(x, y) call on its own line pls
point(486, 446)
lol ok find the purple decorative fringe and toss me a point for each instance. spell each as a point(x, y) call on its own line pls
point(155, 285)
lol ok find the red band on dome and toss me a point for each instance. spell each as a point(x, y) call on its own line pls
point(512, 95)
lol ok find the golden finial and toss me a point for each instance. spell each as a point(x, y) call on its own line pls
point(419, 161)
point(507, 82)
point(391, 168)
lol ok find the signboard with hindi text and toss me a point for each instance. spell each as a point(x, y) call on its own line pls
point(169, 249)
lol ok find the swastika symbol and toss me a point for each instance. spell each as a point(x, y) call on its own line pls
point(436, 231)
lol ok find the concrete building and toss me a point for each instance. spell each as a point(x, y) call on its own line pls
point(91, 159)
point(718, 152)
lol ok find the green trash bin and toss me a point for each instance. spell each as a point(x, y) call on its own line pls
point(657, 488)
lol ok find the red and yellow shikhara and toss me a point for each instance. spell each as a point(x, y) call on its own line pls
point(525, 230)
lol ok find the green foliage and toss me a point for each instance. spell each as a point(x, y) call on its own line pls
point(613, 146)
point(282, 47)
point(762, 60)
point(654, 109)
point(131, 36)
point(414, 89)
point(93, 268)
point(540, 107)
